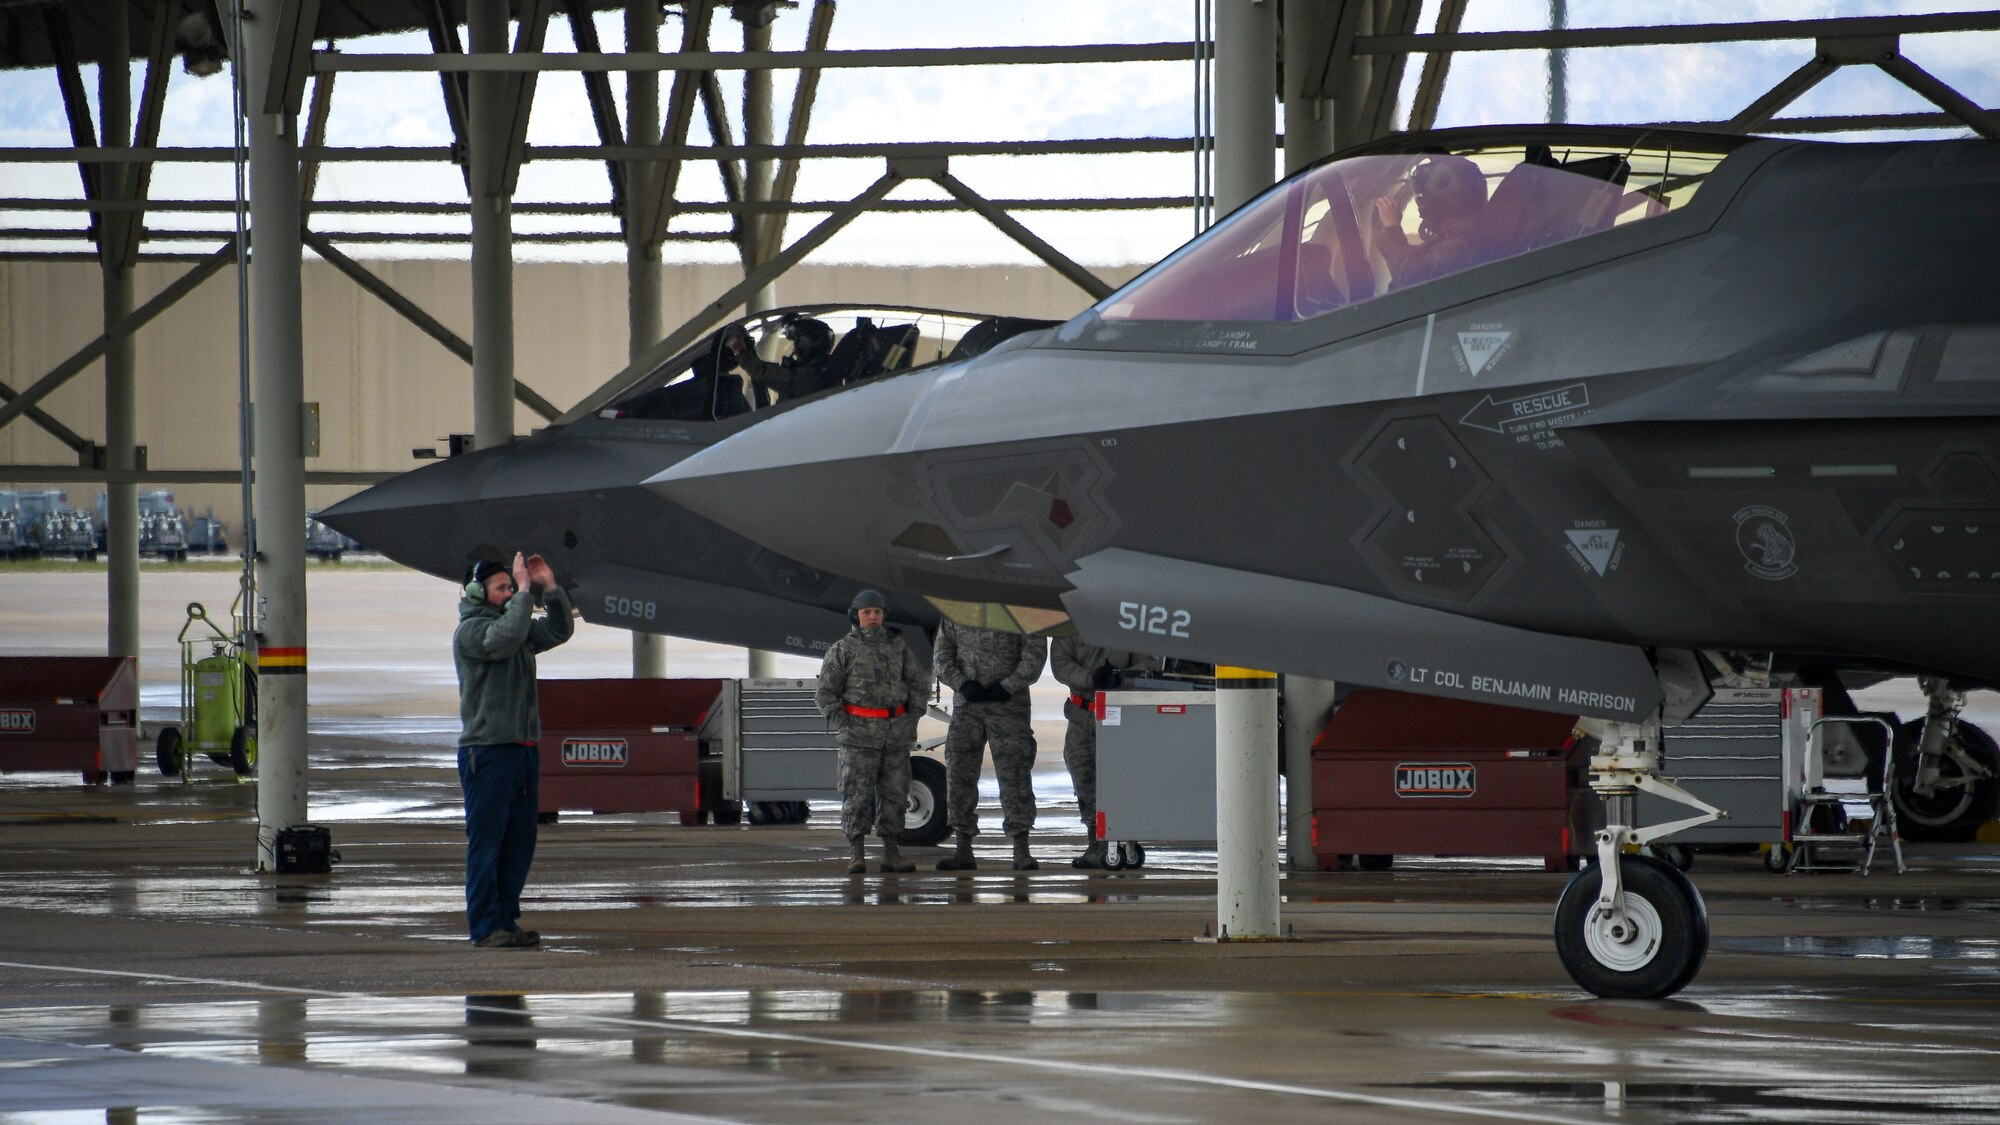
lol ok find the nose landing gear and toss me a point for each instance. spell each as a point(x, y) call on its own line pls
point(1632, 927)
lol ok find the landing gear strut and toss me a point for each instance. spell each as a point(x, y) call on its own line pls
point(1950, 784)
point(1632, 927)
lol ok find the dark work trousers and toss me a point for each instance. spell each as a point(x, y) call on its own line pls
point(502, 787)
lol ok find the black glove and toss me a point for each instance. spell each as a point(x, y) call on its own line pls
point(972, 691)
point(1103, 678)
point(994, 693)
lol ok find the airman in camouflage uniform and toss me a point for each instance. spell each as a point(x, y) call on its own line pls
point(990, 672)
point(873, 688)
point(1086, 670)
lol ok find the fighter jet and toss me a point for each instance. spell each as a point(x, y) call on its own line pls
point(631, 559)
point(1588, 420)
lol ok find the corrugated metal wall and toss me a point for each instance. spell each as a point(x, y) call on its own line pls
point(384, 387)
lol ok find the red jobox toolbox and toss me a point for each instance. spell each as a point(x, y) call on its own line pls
point(1400, 774)
point(623, 745)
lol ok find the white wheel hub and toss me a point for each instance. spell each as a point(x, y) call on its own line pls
point(922, 805)
point(1625, 947)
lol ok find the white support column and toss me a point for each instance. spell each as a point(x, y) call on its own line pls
point(1246, 803)
point(642, 254)
point(489, 127)
point(1246, 101)
point(277, 358)
point(1307, 703)
point(757, 186)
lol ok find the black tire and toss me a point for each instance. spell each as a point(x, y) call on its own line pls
point(924, 820)
point(168, 753)
point(1137, 858)
point(761, 812)
point(1665, 953)
point(1114, 856)
point(242, 752)
point(728, 812)
point(123, 777)
point(1778, 858)
point(1375, 862)
point(1953, 812)
point(797, 812)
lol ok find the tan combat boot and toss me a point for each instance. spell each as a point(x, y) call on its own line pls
point(961, 857)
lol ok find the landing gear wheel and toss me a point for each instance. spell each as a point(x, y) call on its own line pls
point(1657, 953)
point(923, 820)
point(1778, 858)
point(1961, 800)
point(167, 752)
point(243, 752)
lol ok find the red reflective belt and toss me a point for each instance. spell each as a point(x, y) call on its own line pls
point(874, 712)
point(1079, 701)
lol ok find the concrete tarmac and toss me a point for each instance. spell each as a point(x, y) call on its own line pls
point(735, 974)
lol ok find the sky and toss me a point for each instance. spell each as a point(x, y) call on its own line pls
point(997, 103)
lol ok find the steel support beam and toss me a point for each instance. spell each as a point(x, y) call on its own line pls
point(445, 41)
point(77, 443)
point(1678, 34)
point(490, 132)
point(66, 370)
point(65, 474)
point(1349, 83)
point(1308, 119)
point(76, 104)
point(642, 251)
point(703, 59)
point(597, 90)
point(655, 208)
point(1783, 94)
point(1082, 278)
point(1984, 122)
point(1246, 115)
point(717, 310)
point(410, 311)
point(316, 114)
point(785, 181)
point(277, 393)
point(769, 207)
point(864, 150)
point(121, 357)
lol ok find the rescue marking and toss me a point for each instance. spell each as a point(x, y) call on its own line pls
point(1451, 779)
point(1060, 1066)
point(17, 720)
point(282, 661)
point(611, 752)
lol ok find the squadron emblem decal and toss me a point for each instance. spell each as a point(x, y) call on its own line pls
point(1765, 537)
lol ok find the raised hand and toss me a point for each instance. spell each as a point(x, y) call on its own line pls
point(539, 572)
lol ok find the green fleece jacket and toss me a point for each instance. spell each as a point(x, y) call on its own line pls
point(495, 653)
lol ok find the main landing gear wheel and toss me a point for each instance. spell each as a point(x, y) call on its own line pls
point(924, 820)
point(1658, 949)
point(1965, 795)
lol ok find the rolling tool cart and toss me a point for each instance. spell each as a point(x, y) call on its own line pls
point(218, 701)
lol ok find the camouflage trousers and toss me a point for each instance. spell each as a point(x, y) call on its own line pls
point(1080, 755)
point(874, 792)
point(1006, 727)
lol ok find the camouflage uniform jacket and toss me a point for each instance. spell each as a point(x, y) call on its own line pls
point(1075, 663)
point(965, 655)
point(872, 668)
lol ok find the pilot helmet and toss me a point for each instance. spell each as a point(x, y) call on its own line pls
point(866, 599)
point(1447, 185)
point(811, 340)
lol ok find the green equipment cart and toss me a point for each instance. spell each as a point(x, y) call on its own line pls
point(218, 702)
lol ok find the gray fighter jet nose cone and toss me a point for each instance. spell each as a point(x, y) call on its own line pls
point(813, 482)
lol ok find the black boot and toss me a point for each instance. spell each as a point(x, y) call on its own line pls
point(893, 861)
point(1022, 860)
point(961, 857)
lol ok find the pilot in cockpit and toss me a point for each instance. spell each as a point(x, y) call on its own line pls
point(1451, 195)
point(803, 372)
